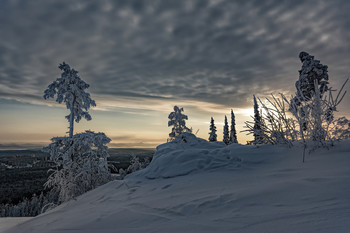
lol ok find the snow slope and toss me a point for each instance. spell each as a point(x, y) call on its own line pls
point(208, 187)
point(8, 222)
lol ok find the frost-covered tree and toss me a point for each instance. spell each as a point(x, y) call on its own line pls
point(342, 128)
point(233, 134)
point(135, 164)
point(212, 134)
point(81, 164)
point(314, 105)
point(311, 71)
point(312, 84)
point(28, 207)
point(226, 137)
point(70, 89)
point(258, 124)
point(177, 120)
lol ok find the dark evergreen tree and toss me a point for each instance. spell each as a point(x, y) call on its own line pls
point(177, 120)
point(226, 138)
point(212, 134)
point(258, 125)
point(233, 133)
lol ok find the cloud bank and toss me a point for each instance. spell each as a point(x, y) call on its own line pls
point(220, 52)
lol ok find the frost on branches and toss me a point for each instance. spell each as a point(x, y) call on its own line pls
point(177, 120)
point(70, 89)
point(314, 105)
point(136, 164)
point(226, 138)
point(312, 120)
point(341, 128)
point(311, 71)
point(212, 135)
point(312, 84)
point(233, 134)
point(81, 163)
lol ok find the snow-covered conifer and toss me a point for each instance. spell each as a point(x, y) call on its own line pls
point(212, 133)
point(311, 71)
point(233, 133)
point(226, 137)
point(314, 105)
point(177, 120)
point(81, 163)
point(70, 89)
point(258, 123)
point(312, 84)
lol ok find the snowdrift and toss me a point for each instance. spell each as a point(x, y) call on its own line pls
point(196, 186)
point(189, 154)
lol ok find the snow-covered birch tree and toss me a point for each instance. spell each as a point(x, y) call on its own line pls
point(70, 89)
point(212, 134)
point(233, 133)
point(226, 137)
point(177, 120)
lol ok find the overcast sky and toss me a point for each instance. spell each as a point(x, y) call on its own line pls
point(142, 57)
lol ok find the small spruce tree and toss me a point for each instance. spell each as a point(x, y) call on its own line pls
point(226, 138)
point(258, 125)
point(233, 133)
point(177, 120)
point(212, 134)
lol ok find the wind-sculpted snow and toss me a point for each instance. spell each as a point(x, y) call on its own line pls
point(269, 190)
point(188, 154)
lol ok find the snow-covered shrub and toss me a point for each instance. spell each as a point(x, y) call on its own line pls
point(70, 89)
point(341, 128)
point(226, 137)
point(81, 163)
point(136, 164)
point(177, 120)
point(122, 173)
point(279, 127)
point(212, 134)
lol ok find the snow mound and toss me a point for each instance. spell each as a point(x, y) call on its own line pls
point(272, 192)
point(188, 154)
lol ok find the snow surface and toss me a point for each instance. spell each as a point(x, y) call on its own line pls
point(6, 223)
point(199, 186)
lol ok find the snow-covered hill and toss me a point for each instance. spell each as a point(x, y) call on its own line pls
point(196, 186)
